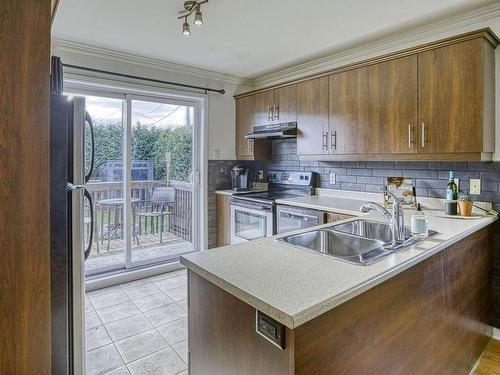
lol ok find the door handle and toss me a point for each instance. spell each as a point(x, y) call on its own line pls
point(276, 112)
point(409, 136)
point(423, 135)
point(88, 119)
point(333, 140)
point(87, 195)
point(325, 140)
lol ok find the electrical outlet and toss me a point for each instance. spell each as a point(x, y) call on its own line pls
point(456, 180)
point(217, 154)
point(261, 175)
point(332, 179)
point(475, 186)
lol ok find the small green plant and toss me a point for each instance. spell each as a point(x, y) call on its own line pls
point(464, 198)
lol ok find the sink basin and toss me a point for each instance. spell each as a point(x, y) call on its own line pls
point(359, 241)
point(369, 229)
point(344, 246)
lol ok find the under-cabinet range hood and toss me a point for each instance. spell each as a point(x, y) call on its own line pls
point(274, 131)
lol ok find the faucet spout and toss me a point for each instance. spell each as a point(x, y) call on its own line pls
point(395, 219)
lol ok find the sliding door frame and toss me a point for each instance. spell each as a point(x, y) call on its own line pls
point(128, 91)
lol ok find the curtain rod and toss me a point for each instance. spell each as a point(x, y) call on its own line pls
point(206, 89)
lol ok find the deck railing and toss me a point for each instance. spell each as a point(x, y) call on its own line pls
point(181, 219)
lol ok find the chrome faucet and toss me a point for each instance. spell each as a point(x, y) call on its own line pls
point(395, 219)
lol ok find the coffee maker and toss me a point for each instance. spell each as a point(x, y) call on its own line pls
point(241, 178)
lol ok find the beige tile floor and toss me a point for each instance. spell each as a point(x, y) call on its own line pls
point(138, 328)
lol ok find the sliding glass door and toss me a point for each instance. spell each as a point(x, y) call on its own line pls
point(161, 180)
point(145, 182)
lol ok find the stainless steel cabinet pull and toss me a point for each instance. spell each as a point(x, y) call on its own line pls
point(333, 140)
point(325, 140)
point(270, 113)
point(276, 112)
point(423, 135)
point(409, 136)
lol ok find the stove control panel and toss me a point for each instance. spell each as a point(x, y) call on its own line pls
point(291, 178)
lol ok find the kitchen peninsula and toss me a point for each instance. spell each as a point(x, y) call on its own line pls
point(422, 310)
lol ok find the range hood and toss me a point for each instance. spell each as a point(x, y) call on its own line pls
point(274, 131)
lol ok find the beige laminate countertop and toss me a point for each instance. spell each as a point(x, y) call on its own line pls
point(294, 286)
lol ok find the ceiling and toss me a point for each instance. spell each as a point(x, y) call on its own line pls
point(246, 38)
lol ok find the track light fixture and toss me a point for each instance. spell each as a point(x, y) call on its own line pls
point(191, 7)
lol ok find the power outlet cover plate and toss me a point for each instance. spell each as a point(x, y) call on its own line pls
point(475, 186)
point(332, 179)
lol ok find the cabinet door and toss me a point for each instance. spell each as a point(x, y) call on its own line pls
point(450, 107)
point(263, 101)
point(348, 112)
point(392, 105)
point(244, 113)
point(312, 117)
point(285, 104)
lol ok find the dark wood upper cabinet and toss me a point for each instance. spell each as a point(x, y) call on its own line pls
point(263, 108)
point(430, 102)
point(244, 116)
point(392, 106)
point(249, 149)
point(453, 107)
point(285, 104)
point(312, 117)
point(348, 112)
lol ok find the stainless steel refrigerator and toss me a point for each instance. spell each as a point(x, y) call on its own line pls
point(69, 248)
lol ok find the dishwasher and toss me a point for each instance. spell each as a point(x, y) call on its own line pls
point(294, 218)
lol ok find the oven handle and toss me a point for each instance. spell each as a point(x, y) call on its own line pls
point(252, 206)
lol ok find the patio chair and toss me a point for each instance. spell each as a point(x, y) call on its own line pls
point(156, 209)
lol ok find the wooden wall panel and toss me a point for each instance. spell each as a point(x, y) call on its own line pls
point(24, 187)
point(222, 337)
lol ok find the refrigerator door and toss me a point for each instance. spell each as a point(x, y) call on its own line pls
point(76, 185)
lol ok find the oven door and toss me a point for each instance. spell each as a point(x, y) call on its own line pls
point(250, 222)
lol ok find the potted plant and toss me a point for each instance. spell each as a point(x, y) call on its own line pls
point(465, 204)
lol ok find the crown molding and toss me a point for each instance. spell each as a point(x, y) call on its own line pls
point(461, 23)
point(120, 57)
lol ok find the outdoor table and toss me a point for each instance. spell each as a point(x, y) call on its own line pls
point(116, 204)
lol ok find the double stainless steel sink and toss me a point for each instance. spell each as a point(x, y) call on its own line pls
point(359, 241)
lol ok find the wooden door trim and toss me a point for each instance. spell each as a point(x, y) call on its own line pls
point(485, 33)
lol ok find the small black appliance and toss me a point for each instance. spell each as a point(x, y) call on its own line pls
point(241, 178)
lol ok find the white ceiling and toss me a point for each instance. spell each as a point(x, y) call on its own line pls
point(246, 38)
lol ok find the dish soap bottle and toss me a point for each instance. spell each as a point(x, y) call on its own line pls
point(419, 228)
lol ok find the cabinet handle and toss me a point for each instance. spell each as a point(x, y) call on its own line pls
point(423, 135)
point(270, 113)
point(333, 140)
point(325, 140)
point(409, 136)
point(276, 112)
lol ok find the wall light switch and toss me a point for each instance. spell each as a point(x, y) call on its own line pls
point(332, 179)
point(475, 186)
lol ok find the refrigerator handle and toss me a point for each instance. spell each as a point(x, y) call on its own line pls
point(88, 119)
point(91, 236)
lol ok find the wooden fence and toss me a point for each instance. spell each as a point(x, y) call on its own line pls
point(181, 220)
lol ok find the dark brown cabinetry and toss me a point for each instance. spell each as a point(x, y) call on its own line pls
point(454, 105)
point(312, 114)
point(392, 106)
point(431, 102)
point(249, 149)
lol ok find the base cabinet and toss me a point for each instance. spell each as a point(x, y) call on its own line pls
point(223, 213)
point(431, 319)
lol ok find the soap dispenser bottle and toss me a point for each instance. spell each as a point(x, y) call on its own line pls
point(419, 228)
